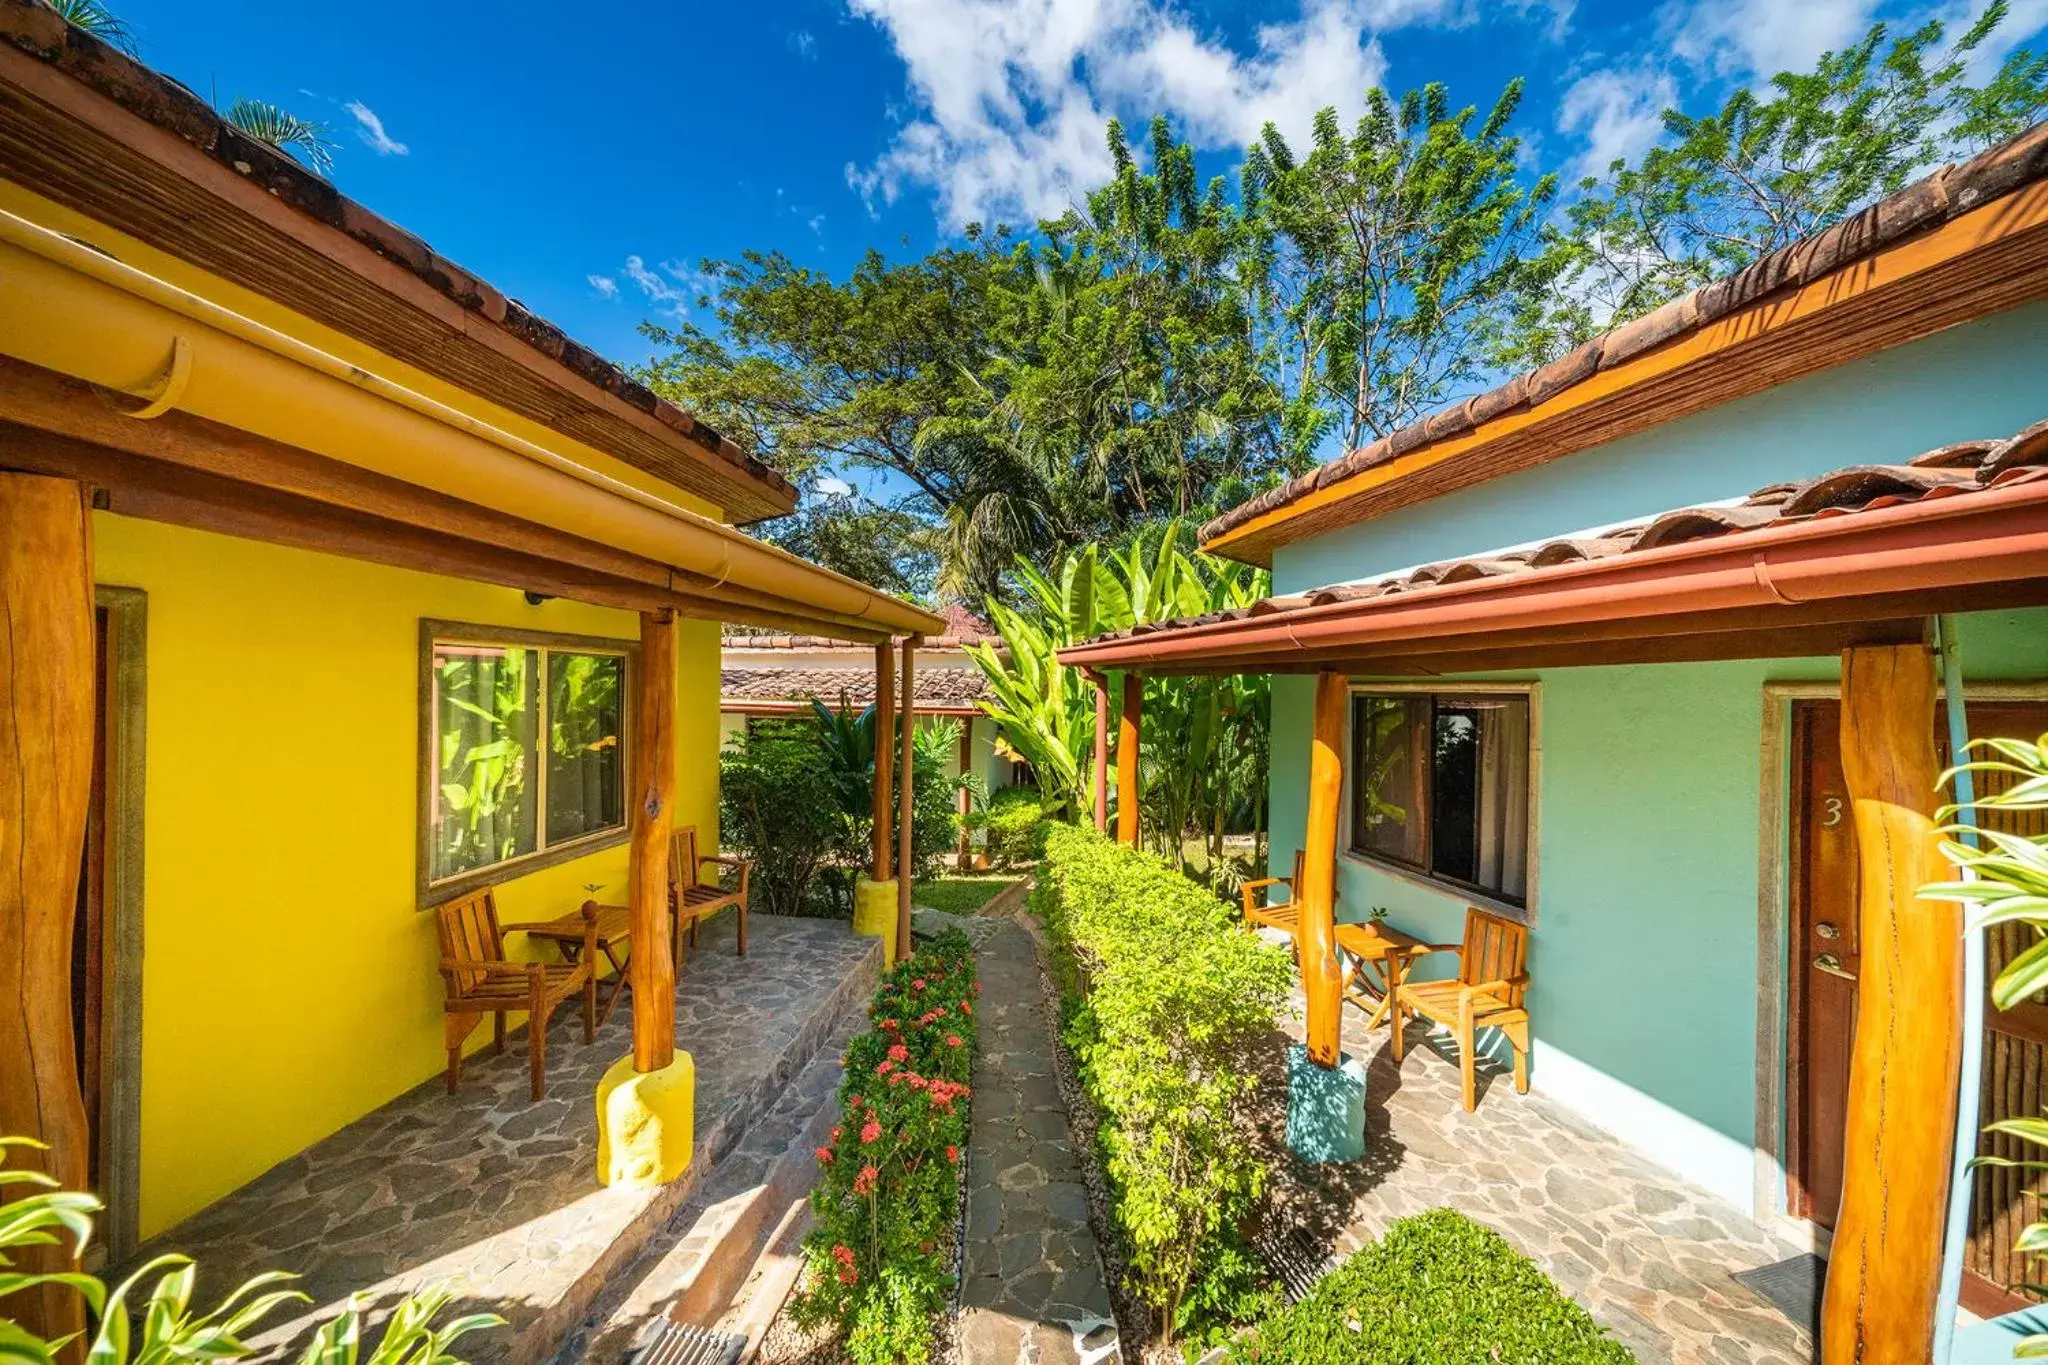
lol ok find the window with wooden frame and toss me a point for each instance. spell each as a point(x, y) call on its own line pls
point(524, 741)
point(1440, 787)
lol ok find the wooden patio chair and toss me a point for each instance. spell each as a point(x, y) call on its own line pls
point(1260, 911)
point(1487, 992)
point(482, 981)
point(691, 900)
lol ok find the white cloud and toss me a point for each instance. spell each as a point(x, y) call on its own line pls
point(1011, 96)
point(665, 297)
point(1744, 39)
point(605, 285)
point(832, 486)
point(370, 129)
point(1617, 112)
point(805, 44)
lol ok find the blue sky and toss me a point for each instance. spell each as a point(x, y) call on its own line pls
point(586, 160)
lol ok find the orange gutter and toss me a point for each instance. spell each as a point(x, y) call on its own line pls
point(1981, 538)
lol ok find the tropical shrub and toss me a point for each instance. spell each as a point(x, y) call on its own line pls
point(2009, 885)
point(1015, 820)
point(164, 1327)
point(776, 806)
point(1203, 761)
point(1165, 999)
point(1437, 1287)
point(889, 1184)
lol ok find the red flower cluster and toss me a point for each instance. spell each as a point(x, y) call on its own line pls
point(844, 1255)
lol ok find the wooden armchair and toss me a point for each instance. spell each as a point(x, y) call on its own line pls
point(1488, 992)
point(481, 981)
point(691, 900)
point(1286, 916)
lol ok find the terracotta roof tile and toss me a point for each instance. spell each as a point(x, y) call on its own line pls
point(1956, 470)
point(951, 687)
point(1947, 193)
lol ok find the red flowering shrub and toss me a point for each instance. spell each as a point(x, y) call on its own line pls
point(888, 1183)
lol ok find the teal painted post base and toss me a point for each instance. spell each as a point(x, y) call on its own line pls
point(1325, 1108)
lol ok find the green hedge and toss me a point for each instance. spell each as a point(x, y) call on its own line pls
point(1015, 820)
point(1167, 999)
point(1438, 1289)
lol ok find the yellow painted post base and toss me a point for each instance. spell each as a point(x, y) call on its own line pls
point(645, 1120)
point(874, 912)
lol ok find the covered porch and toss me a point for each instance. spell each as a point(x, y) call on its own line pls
point(498, 1197)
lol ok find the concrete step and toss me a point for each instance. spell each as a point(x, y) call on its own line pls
point(692, 1271)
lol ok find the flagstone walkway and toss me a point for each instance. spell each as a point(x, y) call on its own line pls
point(1032, 1291)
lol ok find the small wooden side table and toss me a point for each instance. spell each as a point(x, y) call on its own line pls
point(1380, 957)
point(614, 932)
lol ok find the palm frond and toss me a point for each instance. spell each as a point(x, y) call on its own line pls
point(96, 19)
point(302, 138)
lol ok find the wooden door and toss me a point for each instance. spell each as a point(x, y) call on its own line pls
point(1823, 1006)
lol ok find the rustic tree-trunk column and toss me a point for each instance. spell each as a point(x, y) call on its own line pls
point(885, 754)
point(1882, 1275)
point(966, 797)
point(1127, 730)
point(905, 793)
point(1101, 769)
point(46, 736)
point(652, 964)
point(1322, 980)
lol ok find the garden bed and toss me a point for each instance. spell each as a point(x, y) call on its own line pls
point(880, 1276)
point(1437, 1287)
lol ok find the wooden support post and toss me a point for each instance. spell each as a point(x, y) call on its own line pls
point(1322, 980)
point(966, 850)
point(885, 754)
point(46, 737)
point(653, 964)
point(1127, 758)
point(905, 792)
point(1101, 768)
point(1882, 1275)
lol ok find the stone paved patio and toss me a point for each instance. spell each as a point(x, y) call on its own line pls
point(1648, 1254)
point(497, 1195)
point(1032, 1291)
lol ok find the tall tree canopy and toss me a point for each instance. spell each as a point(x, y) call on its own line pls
point(1170, 347)
point(1767, 169)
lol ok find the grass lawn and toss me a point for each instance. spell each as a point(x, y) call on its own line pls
point(962, 895)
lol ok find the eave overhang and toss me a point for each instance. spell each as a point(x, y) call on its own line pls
point(1804, 587)
point(182, 410)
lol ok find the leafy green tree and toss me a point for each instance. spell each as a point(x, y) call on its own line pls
point(1390, 261)
point(1768, 169)
point(884, 546)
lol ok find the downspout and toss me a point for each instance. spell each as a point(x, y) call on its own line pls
point(1948, 1295)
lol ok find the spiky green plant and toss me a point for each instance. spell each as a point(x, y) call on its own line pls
point(2008, 884)
point(96, 19)
point(303, 139)
point(164, 1328)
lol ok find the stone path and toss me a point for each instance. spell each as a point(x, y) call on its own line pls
point(498, 1196)
point(1648, 1254)
point(1032, 1291)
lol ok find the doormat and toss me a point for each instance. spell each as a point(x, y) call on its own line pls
point(1792, 1287)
